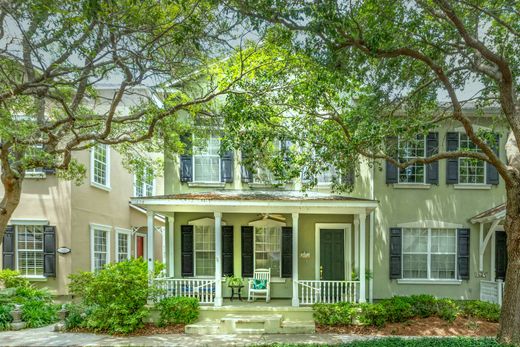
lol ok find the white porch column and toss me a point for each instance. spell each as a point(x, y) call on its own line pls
point(481, 248)
point(356, 244)
point(150, 243)
point(218, 259)
point(171, 252)
point(295, 300)
point(362, 236)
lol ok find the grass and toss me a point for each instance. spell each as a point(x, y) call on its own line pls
point(413, 342)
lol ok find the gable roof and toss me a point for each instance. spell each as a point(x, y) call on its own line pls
point(497, 212)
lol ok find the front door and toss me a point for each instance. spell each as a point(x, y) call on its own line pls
point(139, 247)
point(332, 254)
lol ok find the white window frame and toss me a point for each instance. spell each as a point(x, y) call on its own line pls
point(333, 172)
point(128, 233)
point(144, 184)
point(100, 227)
point(202, 222)
point(267, 223)
point(460, 166)
point(194, 155)
point(399, 140)
point(23, 223)
point(107, 168)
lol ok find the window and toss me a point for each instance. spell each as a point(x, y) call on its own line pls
point(206, 160)
point(268, 249)
point(144, 182)
point(408, 150)
point(263, 175)
point(122, 244)
point(204, 250)
point(429, 253)
point(328, 176)
point(30, 249)
point(100, 166)
point(471, 171)
point(100, 246)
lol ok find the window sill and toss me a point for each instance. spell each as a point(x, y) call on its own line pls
point(35, 278)
point(473, 186)
point(423, 281)
point(412, 185)
point(207, 184)
point(100, 186)
point(36, 175)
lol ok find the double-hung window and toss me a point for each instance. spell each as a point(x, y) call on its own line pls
point(408, 150)
point(429, 253)
point(204, 250)
point(268, 249)
point(100, 246)
point(471, 171)
point(122, 244)
point(100, 166)
point(206, 160)
point(328, 176)
point(144, 182)
point(29, 239)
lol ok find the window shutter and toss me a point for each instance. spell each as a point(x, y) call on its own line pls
point(432, 148)
point(49, 251)
point(395, 252)
point(247, 243)
point(501, 255)
point(227, 250)
point(186, 161)
point(287, 233)
point(8, 248)
point(187, 250)
point(463, 253)
point(392, 171)
point(247, 175)
point(226, 166)
point(492, 176)
point(452, 164)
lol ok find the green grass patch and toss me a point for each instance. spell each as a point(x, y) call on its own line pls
point(413, 342)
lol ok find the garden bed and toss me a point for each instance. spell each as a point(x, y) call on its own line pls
point(149, 329)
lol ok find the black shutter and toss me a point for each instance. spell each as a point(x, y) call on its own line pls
point(227, 250)
point(247, 242)
point(501, 255)
point(247, 175)
point(226, 164)
point(187, 250)
point(49, 251)
point(432, 148)
point(492, 176)
point(392, 172)
point(463, 253)
point(452, 164)
point(287, 233)
point(395, 252)
point(8, 248)
point(186, 160)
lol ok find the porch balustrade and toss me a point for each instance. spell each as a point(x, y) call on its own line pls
point(330, 292)
point(492, 291)
point(202, 289)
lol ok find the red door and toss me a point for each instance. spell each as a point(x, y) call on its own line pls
point(140, 247)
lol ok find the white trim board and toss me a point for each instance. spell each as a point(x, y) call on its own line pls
point(347, 229)
point(430, 224)
point(107, 229)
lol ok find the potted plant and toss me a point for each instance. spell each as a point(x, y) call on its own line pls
point(233, 281)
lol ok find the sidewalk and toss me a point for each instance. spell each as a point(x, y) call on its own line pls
point(46, 337)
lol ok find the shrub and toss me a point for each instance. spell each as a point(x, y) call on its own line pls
point(37, 313)
point(178, 310)
point(12, 279)
point(423, 305)
point(447, 309)
point(5, 316)
point(398, 309)
point(480, 310)
point(373, 314)
point(30, 293)
point(334, 314)
point(79, 283)
point(77, 316)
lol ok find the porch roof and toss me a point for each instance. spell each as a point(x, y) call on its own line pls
point(494, 213)
point(244, 201)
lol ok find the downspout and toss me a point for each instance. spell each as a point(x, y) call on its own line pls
point(371, 242)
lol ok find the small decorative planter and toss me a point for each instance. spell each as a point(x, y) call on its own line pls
point(17, 323)
point(62, 315)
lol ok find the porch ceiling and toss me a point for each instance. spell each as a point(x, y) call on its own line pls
point(233, 201)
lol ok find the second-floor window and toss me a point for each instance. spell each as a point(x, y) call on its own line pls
point(408, 150)
point(100, 165)
point(471, 171)
point(328, 176)
point(144, 182)
point(206, 160)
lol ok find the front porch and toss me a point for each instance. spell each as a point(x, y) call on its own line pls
point(315, 244)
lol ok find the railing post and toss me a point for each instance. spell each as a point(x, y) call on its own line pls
point(150, 241)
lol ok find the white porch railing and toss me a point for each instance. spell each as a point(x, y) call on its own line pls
point(492, 291)
point(313, 291)
point(202, 289)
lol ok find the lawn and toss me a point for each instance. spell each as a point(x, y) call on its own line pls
point(415, 342)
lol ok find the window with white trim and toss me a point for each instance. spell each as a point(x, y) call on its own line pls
point(100, 251)
point(29, 243)
point(408, 150)
point(204, 250)
point(429, 253)
point(100, 165)
point(328, 176)
point(144, 182)
point(471, 171)
point(122, 245)
point(263, 175)
point(206, 159)
point(268, 249)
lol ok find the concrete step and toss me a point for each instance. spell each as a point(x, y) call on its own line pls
point(203, 328)
point(298, 327)
point(245, 324)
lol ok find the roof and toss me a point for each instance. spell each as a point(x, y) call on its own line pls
point(497, 212)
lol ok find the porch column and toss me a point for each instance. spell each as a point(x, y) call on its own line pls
point(356, 244)
point(362, 280)
point(150, 240)
point(218, 259)
point(171, 254)
point(295, 300)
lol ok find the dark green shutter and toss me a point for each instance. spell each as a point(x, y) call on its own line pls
point(501, 255)
point(247, 243)
point(392, 172)
point(49, 251)
point(287, 233)
point(186, 160)
point(247, 175)
point(226, 165)
point(432, 148)
point(452, 164)
point(8, 248)
point(492, 176)
point(463, 253)
point(227, 250)
point(187, 251)
point(395, 252)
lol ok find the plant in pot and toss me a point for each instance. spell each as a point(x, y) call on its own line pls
point(233, 281)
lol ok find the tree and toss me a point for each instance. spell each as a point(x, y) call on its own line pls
point(369, 70)
point(55, 55)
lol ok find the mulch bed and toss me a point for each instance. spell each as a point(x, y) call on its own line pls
point(432, 326)
point(148, 330)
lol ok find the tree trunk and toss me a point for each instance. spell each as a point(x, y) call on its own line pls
point(11, 199)
point(509, 331)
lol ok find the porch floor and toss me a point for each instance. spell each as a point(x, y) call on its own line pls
point(258, 303)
